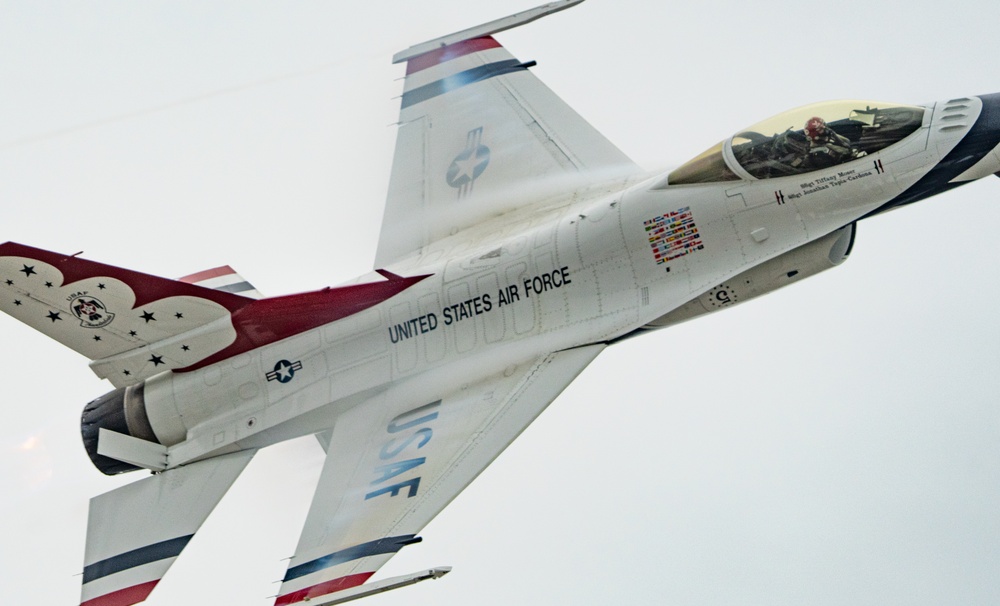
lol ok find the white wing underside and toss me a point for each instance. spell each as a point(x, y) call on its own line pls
point(480, 135)
point(393, 465)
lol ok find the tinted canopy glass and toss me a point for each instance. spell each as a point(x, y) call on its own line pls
point(802, 140)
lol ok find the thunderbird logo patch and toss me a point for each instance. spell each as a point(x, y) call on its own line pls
point(91, 312)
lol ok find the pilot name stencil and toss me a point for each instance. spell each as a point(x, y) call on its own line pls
point(830, 181)
point(484, 303)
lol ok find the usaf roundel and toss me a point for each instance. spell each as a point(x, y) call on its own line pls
point(91, 312)
point(284, 371)
point(470, 163)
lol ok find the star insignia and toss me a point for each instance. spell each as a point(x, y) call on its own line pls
point(156, 360)
point(148, 317)
point(132, 333)
point(97, 337)
point(185, 348)
point(28, 270)
point(10, 282)
point(101, 286)
point(178, 315)
point(17, 302)
point(54, 315)
point(126, 373)
point(48, 285)
point(467, 167)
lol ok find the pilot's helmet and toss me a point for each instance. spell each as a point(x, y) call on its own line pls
point(815, 127)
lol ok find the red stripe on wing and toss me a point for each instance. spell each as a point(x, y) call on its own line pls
point(447, 53)
point(322, 589)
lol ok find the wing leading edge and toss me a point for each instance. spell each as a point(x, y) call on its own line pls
point(393, 464)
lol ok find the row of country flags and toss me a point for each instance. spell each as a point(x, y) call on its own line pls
point(673, 235)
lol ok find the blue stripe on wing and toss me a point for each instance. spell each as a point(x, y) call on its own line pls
point(386, 545)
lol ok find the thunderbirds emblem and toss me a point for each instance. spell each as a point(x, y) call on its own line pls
point(91, 312)
point(468, 165)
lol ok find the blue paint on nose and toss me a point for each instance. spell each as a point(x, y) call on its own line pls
point(979, 141)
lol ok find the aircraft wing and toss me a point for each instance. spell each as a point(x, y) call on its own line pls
point(391, 467)
point(479, 135)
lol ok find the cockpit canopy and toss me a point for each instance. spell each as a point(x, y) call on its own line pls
point(802, 140)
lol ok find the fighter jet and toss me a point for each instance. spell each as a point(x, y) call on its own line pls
point(517, 244)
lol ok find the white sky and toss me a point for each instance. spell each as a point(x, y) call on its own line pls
point(837, 442)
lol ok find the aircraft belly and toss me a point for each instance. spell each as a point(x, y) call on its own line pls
point(538, 299)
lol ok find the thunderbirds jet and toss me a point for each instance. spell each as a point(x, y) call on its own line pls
point(517, 244)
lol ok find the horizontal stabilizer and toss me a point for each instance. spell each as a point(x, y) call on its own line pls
point(135, 533)
point(134, 451)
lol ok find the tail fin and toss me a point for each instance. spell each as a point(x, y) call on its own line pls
point(104, 312)
point(135, 533)
point(133, 325)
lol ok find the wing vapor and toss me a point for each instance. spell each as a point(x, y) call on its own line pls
point(478, 132)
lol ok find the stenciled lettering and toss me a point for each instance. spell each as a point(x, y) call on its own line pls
point(547, 281)
point(412, 328)
point(485, 303)
point(417, 422)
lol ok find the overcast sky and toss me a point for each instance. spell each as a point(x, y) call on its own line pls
point(834, 443)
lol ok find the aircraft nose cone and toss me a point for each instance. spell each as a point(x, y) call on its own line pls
point(977, 154)
point(974, 156)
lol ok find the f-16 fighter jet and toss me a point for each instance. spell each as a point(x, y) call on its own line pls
point(517, 244)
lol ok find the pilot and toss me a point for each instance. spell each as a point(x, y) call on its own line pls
point(826, 147)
